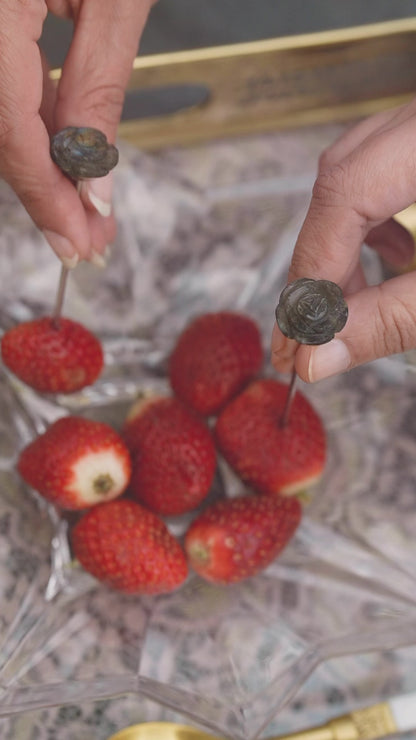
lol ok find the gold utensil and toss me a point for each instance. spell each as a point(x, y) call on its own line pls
point(161, 731)
point(377, 721)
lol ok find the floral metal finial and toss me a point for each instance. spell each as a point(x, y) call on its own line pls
point(83, 152)
point(311, 311)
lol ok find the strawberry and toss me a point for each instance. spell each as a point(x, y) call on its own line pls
point(76, 463)
point(52, 358)
point(236, 538)
point(213, 359)
point(129, 548)
point(174, 458)
point(268, 456)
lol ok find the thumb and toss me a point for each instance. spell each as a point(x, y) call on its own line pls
point(381, 322)
point(47, 195)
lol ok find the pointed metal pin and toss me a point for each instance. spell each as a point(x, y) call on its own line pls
point(81, 153)
point(291, 392)
point(310, 312)
point(63, 280)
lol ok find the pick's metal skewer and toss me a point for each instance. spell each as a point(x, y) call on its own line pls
point(291, 391)
point(63, 280)
point(82, 153)
point(309, 312)
point(60, 295)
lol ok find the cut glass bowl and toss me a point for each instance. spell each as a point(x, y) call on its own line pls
point(226, 658)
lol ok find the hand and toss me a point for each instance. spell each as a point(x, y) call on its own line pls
point(89, 93)
point(366, 177)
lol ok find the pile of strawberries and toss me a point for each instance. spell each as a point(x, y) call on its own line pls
point(163, 460)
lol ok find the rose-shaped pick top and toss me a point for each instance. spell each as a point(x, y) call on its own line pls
point(83, 152)
point(311, 311)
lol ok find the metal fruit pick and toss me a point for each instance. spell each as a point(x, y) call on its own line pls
point(310, 312)
point(81, 153)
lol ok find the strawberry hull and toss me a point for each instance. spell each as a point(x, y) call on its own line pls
point(76, 463)
point(269, 457)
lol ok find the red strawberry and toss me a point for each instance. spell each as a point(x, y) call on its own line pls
point(268, 456)
point(53, 358)
point(129, 548)
point(76, 463)
point(174, 457)
point(214, 358)
point(236, 538)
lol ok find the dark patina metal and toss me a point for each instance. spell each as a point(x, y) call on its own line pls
point(83, 153)
point(311, 311)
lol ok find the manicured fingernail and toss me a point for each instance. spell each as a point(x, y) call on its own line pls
point(328, 359)
point(99, 192)
point(70, 262)
point(62, 247)
point(98, 260)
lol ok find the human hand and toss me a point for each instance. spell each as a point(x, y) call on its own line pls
point(89, 93)
point(365, 177)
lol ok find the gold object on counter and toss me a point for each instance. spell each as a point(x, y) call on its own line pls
point(161, 731)
point(276, 83)
point(407, 218)
point(363, 724)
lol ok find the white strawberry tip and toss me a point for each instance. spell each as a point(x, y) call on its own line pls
point(198, 553)
point(143, 401)
point(98, 476)
point(300, 487)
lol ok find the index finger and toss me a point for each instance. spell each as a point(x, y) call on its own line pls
point(99, 63)
point(367, 187)
point(93, 82)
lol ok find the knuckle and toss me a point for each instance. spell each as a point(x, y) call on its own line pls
point(330, 187)
point(102, 103)
point(326, 161)
point(395, 328)
point(304, 264)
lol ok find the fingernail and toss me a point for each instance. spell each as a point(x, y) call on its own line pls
point(97, 259)
point(63, 248)
point(328, 359)
point(70, 262)
point(99, 192)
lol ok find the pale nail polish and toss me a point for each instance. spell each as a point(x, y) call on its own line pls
point(70, 262)
point(63, 248)
point(99, 192)
point(98, 260)
point(328, 359)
